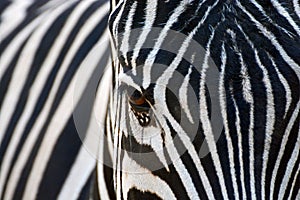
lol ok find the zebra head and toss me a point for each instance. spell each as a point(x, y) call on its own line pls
point(160, 72)
point(206, 100)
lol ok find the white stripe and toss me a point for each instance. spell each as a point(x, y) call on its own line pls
point(53, 4)
point(64, 110)
point(135, 176)
point(125, 42)
point(128, 80)
point(24, 61)
point(113, 4)
point(269, 19)
point(116, 22)
point(273, 40)
point(288, 95)
point(183, 94)
point(175, 157)
point(251, 149)
point(290, 165)
point(294, 182)
point(297, 7)
point(160, 110)
point(86, 159)
point(109, 133)
point(6, 58)
point(269, 122)
point(79, 174)
point(151, 57)
point(206, 124)
point(298, 195)
point(163, 80)
point(104, 85)
point(22, 70)
point(222, 97)
point(167, 75)
point(240, 147)
point(150, 18)
point(149, 135)
point(117, 177)
point(283, 145)
point(122, 124)
point(282, 11)
point(9, 19)
point(114, 104)
point(38, 86)
point(120, 108)
point(270, 115)
point(248, 96)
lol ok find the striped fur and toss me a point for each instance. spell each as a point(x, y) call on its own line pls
point(255, 46)
point(46, 47)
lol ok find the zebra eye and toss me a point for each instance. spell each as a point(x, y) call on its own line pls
point(137, 99)
point(138, 102)
point(140, 107)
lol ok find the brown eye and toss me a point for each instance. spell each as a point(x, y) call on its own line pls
point(137, 101)
point(140, 107)
point(136, 98)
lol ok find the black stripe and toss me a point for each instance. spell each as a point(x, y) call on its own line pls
point(96, 192)
point(289, 147)
point(42, 52)
point(86, 191)
point(172, 178)
point(4, 84)
point(36, 5)
point(59, 22)
point(79, 56)
point(293, 177)
point(145, 195)
point(122, 23)
point(112, 18)
point(296, 188)
point(107, 170)
point(232, 16)
point(3, 5)
point(30, 16)
point(60, 162)
point(167, 8)
point(272, 13)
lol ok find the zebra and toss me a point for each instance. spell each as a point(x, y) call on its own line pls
point(53, 54)
point(255, 49)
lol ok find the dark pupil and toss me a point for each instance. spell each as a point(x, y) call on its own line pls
point(137, 98)
point(138, 102)
point(140, 107)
